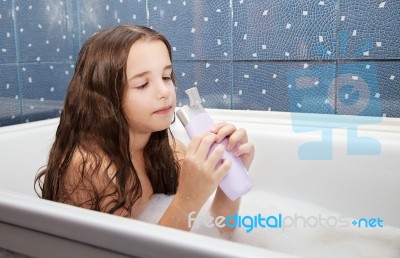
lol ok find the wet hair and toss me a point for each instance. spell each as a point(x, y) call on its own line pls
point(93, 124)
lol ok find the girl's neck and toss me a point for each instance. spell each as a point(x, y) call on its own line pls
point(138, 141)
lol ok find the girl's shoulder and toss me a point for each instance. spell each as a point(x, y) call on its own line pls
point(91, 161)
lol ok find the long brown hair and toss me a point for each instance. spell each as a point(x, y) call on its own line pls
point(93, 123)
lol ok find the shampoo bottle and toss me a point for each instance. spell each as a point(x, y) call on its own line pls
point(196, 120)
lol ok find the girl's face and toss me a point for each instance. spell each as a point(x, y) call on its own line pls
point(150, 98)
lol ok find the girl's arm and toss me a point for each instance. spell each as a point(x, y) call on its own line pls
point(198, 179)
point(239, 145)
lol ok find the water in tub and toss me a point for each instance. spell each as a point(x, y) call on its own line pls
point(294, 227)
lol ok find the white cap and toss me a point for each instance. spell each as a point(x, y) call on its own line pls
point(194, 97)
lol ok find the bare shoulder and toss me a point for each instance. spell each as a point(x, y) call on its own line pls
point(82, 160)
point(90, 182)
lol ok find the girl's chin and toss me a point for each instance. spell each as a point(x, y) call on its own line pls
point(164, 125)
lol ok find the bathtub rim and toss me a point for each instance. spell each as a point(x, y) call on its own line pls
point(368, 123)
point(116, 234)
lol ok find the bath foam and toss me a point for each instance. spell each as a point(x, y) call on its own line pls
point(309, 241)
point(160, 202)
point(155, 208)
point(313, 241)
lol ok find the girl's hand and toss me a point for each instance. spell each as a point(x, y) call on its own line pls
point(237, 141)
point(200, 174)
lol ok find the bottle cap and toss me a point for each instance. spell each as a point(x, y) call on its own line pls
point(194, 97)
point(188, 112)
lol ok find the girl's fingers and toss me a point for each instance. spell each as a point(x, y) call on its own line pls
point(204, 147)
point(246, 154)
point(247, 148)
point(215, 156)
point(217, 126)
point(222, 170)
point(239, 137)
point(224, 131)
point(194, 144)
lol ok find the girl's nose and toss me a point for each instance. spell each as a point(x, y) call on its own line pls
point(163, 89)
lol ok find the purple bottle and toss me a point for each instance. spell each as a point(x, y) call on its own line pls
point(196, 121)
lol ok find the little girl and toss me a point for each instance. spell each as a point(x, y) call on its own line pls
point(113, 148)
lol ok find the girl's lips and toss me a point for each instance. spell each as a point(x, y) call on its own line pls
point(163, 111)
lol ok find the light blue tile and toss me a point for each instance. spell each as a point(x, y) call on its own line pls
point(197, 30)
point(284, 30)
point(212, 78)
point(358, 90)
point(284, 86)
point(42, 31)
point(10, 98)
point(7, 35)
point(43, 96)
point(369, 30)
point(99, 14)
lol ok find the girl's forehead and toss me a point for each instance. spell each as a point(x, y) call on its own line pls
point(143, 43)
point(143, 49)
point(146, 55)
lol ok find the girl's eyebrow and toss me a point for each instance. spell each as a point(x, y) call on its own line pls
point(146, 72)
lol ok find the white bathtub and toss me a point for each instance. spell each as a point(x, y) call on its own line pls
point(357, 186)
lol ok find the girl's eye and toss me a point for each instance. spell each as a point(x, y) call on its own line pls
point(167, 78)
point(142, 86)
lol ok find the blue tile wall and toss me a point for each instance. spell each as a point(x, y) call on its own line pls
point(10, 97)
point(42, 31)
point(284, 30)
point(99, 14)
point(43, 88)
point(197, 30)
point(326, 56)
point(369, 30)
point(212, 78)
point(7, 33)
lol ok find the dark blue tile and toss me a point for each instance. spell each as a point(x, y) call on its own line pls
point(42, 33)
point(231, 50)
point(369, 30)
point(10, 98)
point(284, 30)
point(72, 19)
point(7, 35)
point(99, 14)
point(212, 78)
point(43, 96)
point(284, 86)
point(197, 30)
point(388, 76)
